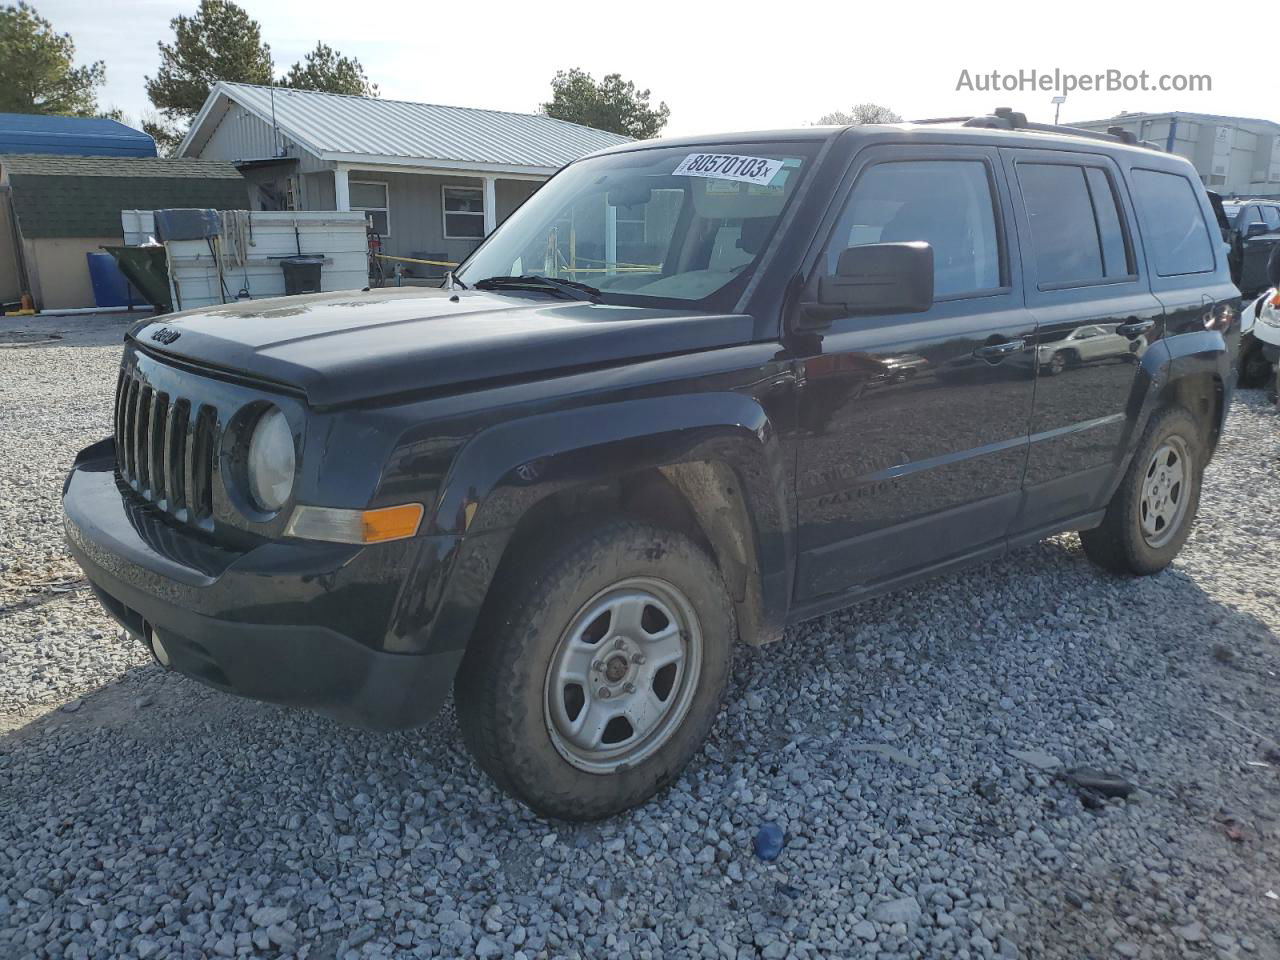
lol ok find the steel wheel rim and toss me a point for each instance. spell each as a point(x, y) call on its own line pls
point(625, 647)
point(1166, 492)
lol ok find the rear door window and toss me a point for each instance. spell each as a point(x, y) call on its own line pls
point(1116, 260)
point(1271, 217)
point(1173, 224)
point(1075, 222)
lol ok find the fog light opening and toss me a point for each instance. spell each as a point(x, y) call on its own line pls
point(157, 648)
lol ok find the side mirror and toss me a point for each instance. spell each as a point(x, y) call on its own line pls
point(876, 278)
point(1255, 229)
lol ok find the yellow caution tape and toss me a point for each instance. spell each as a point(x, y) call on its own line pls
point(618, 268)
point(430, 263)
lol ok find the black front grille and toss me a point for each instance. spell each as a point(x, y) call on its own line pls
point(165, 447)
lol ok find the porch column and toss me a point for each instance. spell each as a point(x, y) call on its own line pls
point(341, 189)
point(490, 205)
point(610, 238)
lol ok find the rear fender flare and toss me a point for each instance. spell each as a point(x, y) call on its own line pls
point(1169, 360)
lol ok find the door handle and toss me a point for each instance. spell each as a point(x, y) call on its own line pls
point(1133, 329)
point(998, 351)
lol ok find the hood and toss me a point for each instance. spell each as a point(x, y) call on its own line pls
point(350, 346)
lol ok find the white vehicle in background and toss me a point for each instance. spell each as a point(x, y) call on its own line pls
point(1260, 335)
point(1260, 340)
point(1254, 369)
point(1083, 344)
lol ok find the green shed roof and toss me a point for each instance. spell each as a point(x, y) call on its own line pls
point(176, 169)
point(83, 196)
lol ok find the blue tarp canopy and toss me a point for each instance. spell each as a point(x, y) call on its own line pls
point(74, 136)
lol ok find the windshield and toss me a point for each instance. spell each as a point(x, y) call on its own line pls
point(665, 223)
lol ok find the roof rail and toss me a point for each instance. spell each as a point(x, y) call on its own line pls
point(1005, 118)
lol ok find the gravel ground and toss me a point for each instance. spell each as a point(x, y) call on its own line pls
point(910, 748)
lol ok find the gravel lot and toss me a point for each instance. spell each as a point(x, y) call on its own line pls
point(910, 748)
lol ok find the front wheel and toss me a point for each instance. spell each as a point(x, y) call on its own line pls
point(599, 671)
point(1150, 515)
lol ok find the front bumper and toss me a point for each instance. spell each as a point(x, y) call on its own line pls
point(316, 625)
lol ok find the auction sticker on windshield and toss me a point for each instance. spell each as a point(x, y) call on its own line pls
point(724, 166)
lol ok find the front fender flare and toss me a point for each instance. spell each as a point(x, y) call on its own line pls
point(506, 469)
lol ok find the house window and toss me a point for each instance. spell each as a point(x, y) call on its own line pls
point(371, 197)
point(463, 213)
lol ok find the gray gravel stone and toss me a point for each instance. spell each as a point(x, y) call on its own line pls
point(902, 910)
point(1038, 758)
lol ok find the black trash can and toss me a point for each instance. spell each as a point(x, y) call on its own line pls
point(301, 274)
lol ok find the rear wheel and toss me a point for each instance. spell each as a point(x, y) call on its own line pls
point(598, 674)
point(1150, 515)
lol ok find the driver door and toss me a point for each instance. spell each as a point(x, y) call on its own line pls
point(914, 427)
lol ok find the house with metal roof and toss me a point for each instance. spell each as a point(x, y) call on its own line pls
point(432, 180)
point(26, 133)
point(57, 212)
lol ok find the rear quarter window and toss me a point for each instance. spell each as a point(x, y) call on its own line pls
point(1172, 222)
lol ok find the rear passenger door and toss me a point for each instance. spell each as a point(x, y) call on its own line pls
point(914, 426)
point(1095, 319)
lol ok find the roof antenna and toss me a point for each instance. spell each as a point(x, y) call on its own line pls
point(275, 130)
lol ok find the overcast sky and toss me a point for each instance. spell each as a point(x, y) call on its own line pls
point(720, 66)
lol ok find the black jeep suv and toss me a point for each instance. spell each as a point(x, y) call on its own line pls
point(692, 392)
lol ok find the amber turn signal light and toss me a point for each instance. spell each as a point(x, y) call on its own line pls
point(391, 523)
point(354, 526)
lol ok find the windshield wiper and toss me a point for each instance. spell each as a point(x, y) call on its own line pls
point(569, 288)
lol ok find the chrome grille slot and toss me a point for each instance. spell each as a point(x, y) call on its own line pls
point(175, 456)
point(159, 423)
point(165, 445)
point(122, 392)
point(142, 438)
point(202, 452)
point(129, 462)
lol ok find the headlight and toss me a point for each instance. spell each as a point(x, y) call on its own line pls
point(271, 461)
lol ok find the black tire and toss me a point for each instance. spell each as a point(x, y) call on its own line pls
point(503, 687)
point(1255, 369)
point(1118, 544)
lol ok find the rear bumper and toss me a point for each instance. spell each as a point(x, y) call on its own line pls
point(263, 623)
